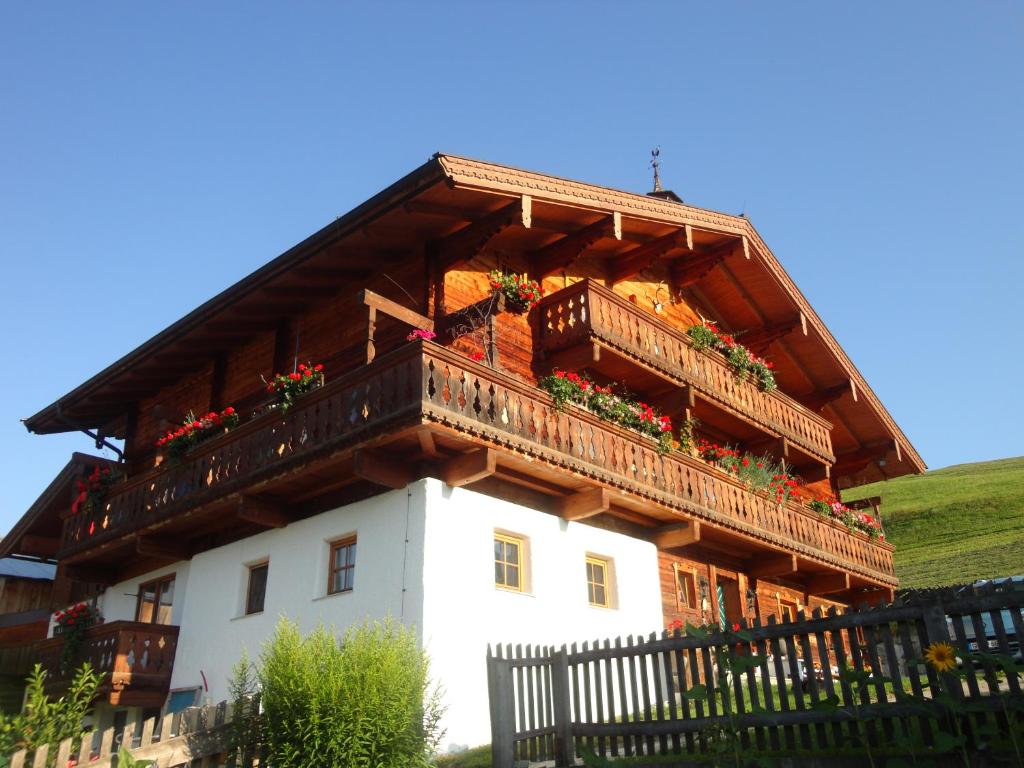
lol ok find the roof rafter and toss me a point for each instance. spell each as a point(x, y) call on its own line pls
point(561, 253)
point(463, 245)
point(637, 259)
point(759, 340)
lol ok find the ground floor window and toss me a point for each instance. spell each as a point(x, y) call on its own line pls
point(508, 562)
point(257, 591)
point(686, 588)
point(342, 570)
point(599, 591)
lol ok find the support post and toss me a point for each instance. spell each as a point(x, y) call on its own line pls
point(937, 630)
point(565, 751)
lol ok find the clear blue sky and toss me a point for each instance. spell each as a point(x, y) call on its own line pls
point(151, 154)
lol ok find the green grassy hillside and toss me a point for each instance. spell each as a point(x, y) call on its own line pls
point(954, 525)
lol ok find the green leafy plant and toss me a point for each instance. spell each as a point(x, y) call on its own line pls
point(851, 518)
point(246, 729)
point(71, 625)
point(758, 473)
point(125, 760)
point(366, 702)
point(46, 721)
point(746, 364)
point(604, 403)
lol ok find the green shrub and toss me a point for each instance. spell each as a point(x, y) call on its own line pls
point(365, 702)
point(46, 721)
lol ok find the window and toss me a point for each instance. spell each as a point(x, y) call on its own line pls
point(787, 610)
point(597, 582)
point(257, 591)
point(341, 570)
point(686, 588)
point(155, 599)
point(508, 562)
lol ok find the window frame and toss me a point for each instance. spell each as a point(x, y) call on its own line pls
point(689, 587)
point(334, 546)
point(158, 585)
point(604, 563)
point(520, 542)
point(265, 565)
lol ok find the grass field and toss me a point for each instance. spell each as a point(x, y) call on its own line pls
point(954, 525)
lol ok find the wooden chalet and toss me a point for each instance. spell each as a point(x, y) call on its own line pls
point(624, 275)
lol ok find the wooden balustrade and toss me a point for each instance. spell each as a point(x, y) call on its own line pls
point(587, 310)
point(129, 654)
point(426, 383)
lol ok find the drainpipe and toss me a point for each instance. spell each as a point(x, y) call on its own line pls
point(98, 439)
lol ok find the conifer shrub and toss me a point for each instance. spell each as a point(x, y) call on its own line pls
point(363, 702)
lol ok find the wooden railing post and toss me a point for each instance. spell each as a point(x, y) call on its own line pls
point(499, 677)
point(565, 749)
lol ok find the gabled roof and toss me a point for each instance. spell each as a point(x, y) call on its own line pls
point(27, 569)
point(753, 293)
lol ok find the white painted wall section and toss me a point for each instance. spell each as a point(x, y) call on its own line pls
point(463, 611)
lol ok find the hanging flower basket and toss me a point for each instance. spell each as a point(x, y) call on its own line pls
point(520, 293)
point(287, 387)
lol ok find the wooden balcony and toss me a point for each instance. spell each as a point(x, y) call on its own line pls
point(135, 660)
point(420, 411)
point(590, 326)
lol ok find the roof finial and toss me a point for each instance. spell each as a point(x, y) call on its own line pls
point(655, 164)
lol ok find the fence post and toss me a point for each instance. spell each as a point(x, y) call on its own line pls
point(499, 678)
point(565, 749)
point(937, 629)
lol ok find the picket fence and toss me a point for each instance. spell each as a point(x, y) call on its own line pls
point(196, 737)
point(637, 696)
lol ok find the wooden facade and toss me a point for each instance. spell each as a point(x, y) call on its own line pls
point(624, 276)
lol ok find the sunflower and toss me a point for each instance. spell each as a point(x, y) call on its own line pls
point(941, 656)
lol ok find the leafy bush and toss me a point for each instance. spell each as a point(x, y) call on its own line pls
point(365, 702)
point(49, 722)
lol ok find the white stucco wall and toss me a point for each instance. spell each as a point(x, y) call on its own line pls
point(446, 571)
point(463, 611)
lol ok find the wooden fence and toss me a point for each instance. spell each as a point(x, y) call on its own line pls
point(800, 686)
point(196, 737)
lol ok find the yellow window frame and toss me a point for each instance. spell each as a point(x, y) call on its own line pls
point(593, 565)
point(504, 563)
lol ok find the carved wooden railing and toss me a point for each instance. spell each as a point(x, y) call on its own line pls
point(425, 382)
point(127, 653)
point(587, 310)
point(348, 409)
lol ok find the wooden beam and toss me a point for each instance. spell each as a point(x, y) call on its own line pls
point(679, 535)
point(688, 270)
point(828, 583)
point(469, 467)
point(816, 401)
point(91, 574)
point(153, 546)
point(582, 504)
point(636, 260)
point(469, 241)
point(427, 443)
point(561, 253)
point(852, 461)
point(382, 469)
point(758, 341)
point(772, 565)
point(41, 546)
point(262, 511)
point(395, 310)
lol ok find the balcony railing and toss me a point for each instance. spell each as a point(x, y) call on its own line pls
point(423, 383)
point(135, 659)
point(586, 310)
